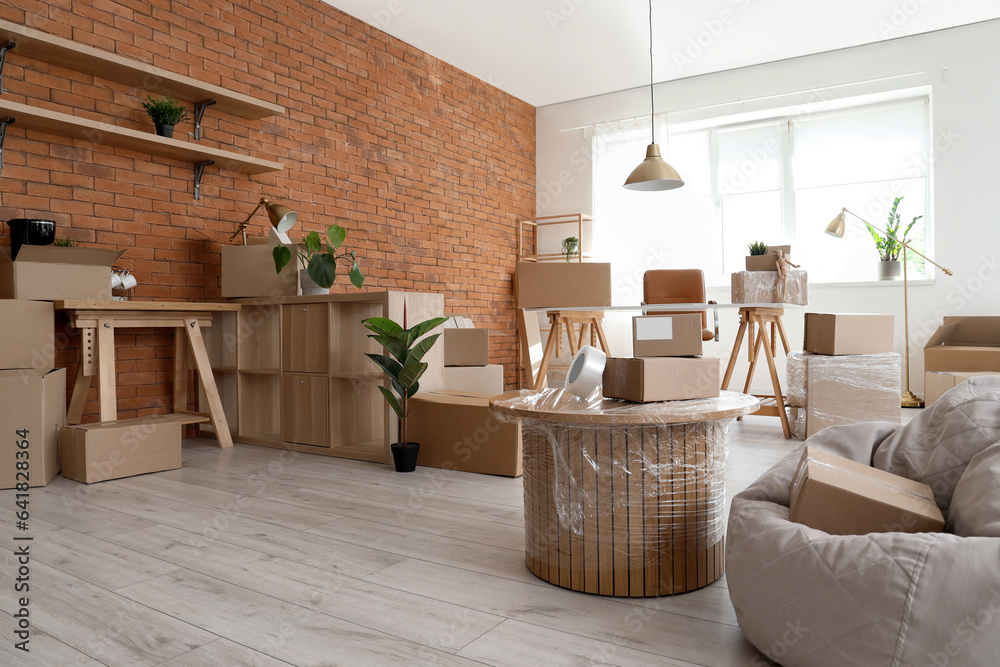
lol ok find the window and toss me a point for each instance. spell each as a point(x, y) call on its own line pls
point(779, 180)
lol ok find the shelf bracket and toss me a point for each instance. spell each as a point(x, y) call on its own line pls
point(199, 171)
point(9, 120)
point(4, 48)
point(199, 114)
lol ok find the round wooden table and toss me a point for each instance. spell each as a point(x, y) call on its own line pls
point(624, 499)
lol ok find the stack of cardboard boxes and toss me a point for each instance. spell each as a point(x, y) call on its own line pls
point(762, 283)
point(467, 364)
point(667, 365)
point(961, 348)
point(33, 395)
point(847, 373)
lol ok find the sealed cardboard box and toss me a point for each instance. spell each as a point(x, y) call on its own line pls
point(936, 383)
point(769, 261)
point(563, 285)
point(674, 335)
point(845, 389)
point(844, 497)
point(123, 448)
point(964, 344)
point(458, 431)
point(848, 333)
point(762, 287)
point(56, 273)
point(34, 409)
point(466, 347)
point(650, 379)
point(27, 336)
point(474, 379)
point(248, 271)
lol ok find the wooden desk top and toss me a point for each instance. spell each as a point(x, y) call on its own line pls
point(557, 405)
point(164, 306)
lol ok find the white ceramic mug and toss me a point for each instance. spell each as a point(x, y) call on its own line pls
point(128, 280)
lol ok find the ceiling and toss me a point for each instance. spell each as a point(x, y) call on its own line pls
point(550, 51)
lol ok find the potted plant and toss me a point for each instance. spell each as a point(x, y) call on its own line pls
point(763, 257)
point(570, 244)
point(889, 245)
point(319, 260)
point(404, 367)
point(165, 112)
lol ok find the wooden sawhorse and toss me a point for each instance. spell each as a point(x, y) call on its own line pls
point(752, 318)
point(590, 321)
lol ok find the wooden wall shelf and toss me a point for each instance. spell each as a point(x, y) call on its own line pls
point(42, 46)
point(105, 134)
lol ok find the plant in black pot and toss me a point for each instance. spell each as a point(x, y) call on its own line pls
point(165, 112)
point(404, 367)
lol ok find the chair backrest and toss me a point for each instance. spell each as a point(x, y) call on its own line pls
point(675, 286)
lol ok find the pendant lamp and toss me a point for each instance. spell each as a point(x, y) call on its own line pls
point(653, 173)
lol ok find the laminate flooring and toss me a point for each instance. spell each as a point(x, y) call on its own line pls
point(256, 556)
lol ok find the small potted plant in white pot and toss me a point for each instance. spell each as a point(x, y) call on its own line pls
point(166, 112)
point(404, 368)
point(889, 246)
point(319, 261)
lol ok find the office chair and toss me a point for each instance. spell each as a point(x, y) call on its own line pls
point(679, 286)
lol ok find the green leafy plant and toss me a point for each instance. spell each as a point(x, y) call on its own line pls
point(403, 364)
point(165, 110)
point(758, 248)
point(320, 259)
point(889, 246)
point(569, 246)
point(64, 242)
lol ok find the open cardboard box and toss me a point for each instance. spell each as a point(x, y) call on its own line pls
point(965, 344)
point(464, 344)
point(768, 261)
point(27, 336)
point(57, 273)
point(844, 497)
point(248, 271)
point(34, 409)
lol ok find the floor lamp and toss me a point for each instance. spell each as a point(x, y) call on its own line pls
point(836, 228)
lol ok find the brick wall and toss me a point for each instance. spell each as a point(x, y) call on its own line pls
point(428, 167)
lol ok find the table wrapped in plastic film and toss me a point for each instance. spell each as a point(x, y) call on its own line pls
point(621, 498)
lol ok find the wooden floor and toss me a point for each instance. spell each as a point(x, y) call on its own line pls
point(255, 556)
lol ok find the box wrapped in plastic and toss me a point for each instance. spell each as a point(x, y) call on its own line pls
point(830, 390)
point(762, 287)
point(623, 498)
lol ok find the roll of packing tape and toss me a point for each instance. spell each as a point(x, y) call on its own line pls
point(586, 371)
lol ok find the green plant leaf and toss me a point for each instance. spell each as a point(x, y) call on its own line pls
point(323, 269)
point(413, 389)
point(411, 372)
point(391, 400)
point(393, 344)
point(357, 278)
point(427, 325)
point(418, 351)
point(381, 325)
point(391, 368)
point(282, 256)
point(313, 243)
point(336, 234)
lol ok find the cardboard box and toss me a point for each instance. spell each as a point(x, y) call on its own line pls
point(123, 448)
point(769, 261)
point(762, 287)
point(474, 379)
point(675, 335)
point(846, 389)
point(56, 273)
point(248, 271)
point(844, 497)
point(936, 383)
point(27, 335)
point(458, 431)
point(650, 379)
point(466, 347)
point(848, 333)
point(965, 344)
point(563, 285)
point(34, 405)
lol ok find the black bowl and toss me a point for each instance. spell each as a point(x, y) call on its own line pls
point(24, 231)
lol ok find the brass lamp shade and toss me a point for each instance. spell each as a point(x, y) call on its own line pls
point(653, 173)
point(837, 225)
point(282, 218)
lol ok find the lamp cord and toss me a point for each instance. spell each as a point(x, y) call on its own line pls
point(652, 108)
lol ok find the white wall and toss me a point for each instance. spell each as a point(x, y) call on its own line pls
point(959, 64)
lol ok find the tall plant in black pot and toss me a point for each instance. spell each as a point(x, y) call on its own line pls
point(404, 366)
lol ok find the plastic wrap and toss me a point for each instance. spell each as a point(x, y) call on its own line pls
point(623, 498)
point(843, 389)
point(762, 287)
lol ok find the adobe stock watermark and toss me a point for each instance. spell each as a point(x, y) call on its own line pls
point(899, 16)
point(383, 17)
point(562, 12)
point(779, 648)
point(713, 29)
point(966, 631)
